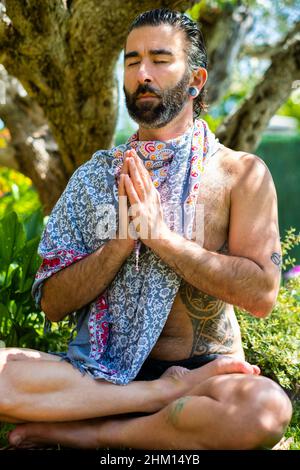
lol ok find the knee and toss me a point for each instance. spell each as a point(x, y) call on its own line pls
point(6, 354)
point(7, 392)
point(269, 412)
point(7, 399)
point(7, 404)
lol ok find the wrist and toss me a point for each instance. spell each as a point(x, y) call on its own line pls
point(159, 237)
point(125, 244)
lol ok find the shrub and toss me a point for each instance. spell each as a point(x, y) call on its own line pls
point(21, 323)
point(17, 194)
point(274, 342)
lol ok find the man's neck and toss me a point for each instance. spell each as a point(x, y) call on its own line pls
point(173, 129)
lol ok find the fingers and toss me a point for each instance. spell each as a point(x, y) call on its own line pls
point(124, 169)
point(140, 167)
point(130, 190)
point(138, 183)
point(123, 209)
point(121, 188)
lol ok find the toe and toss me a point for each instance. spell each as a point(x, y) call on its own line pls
point(175, 371)
point(14, 439)
point(230, 365)
point(247, 368)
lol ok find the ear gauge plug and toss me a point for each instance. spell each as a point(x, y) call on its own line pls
point(193, 91)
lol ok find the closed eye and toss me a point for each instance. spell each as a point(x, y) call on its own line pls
point(155, 62)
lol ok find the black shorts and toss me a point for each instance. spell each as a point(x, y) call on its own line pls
point(153, 368)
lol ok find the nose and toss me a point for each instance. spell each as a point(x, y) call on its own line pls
point(144, 74)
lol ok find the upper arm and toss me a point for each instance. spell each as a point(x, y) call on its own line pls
point(253, 228)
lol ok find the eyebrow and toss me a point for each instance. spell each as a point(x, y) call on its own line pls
point(128, 55)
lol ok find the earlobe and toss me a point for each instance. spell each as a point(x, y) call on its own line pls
point(193, 91)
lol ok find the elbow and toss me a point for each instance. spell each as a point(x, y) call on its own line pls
point(266, 295)
point(261, 311)
point(264, 304)
point(50, 313)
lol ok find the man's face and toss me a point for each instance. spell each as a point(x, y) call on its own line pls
point(156, 78)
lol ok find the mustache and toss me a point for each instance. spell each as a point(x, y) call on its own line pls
point(145, 88)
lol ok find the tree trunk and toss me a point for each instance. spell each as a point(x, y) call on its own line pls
point(224, 31)
point(242, 129)
point(64, 54)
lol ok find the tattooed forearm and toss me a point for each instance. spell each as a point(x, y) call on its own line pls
point(277, 259)
point(176, 409)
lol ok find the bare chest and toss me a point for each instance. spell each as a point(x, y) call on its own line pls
point(199, 323)
point(213, 206)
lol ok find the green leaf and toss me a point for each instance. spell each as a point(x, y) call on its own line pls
point(29, 262)
point(4, 312)
point(12, 278)
point(34, 224)
point(12, 238)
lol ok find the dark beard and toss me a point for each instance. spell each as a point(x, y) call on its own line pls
point(155, 115)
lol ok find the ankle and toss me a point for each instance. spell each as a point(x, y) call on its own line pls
point(110, 433)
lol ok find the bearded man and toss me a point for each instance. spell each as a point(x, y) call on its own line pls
point(157, 362)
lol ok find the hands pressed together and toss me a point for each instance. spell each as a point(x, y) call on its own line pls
point(145, 212)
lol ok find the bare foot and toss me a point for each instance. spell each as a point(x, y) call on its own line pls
point(80, 434)
point(229, 365)
point(177, 381)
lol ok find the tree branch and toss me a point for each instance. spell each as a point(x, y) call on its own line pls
point(8, 35)
point(8, 157)
point(112, 15)
point(224, 31)
point(263, 51)
point(33, 17)
point(242, 129)
point(266, 51)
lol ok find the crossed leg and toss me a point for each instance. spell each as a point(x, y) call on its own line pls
point(199, 409)
point(234, 411)
point(37, 386)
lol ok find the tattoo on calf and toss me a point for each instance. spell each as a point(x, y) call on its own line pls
point(277, 259)
point(176, 409)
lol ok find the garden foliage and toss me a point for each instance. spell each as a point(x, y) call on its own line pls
point(21, 322)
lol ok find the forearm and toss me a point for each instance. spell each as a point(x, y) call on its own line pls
point(235, 280)
point(79, 284)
